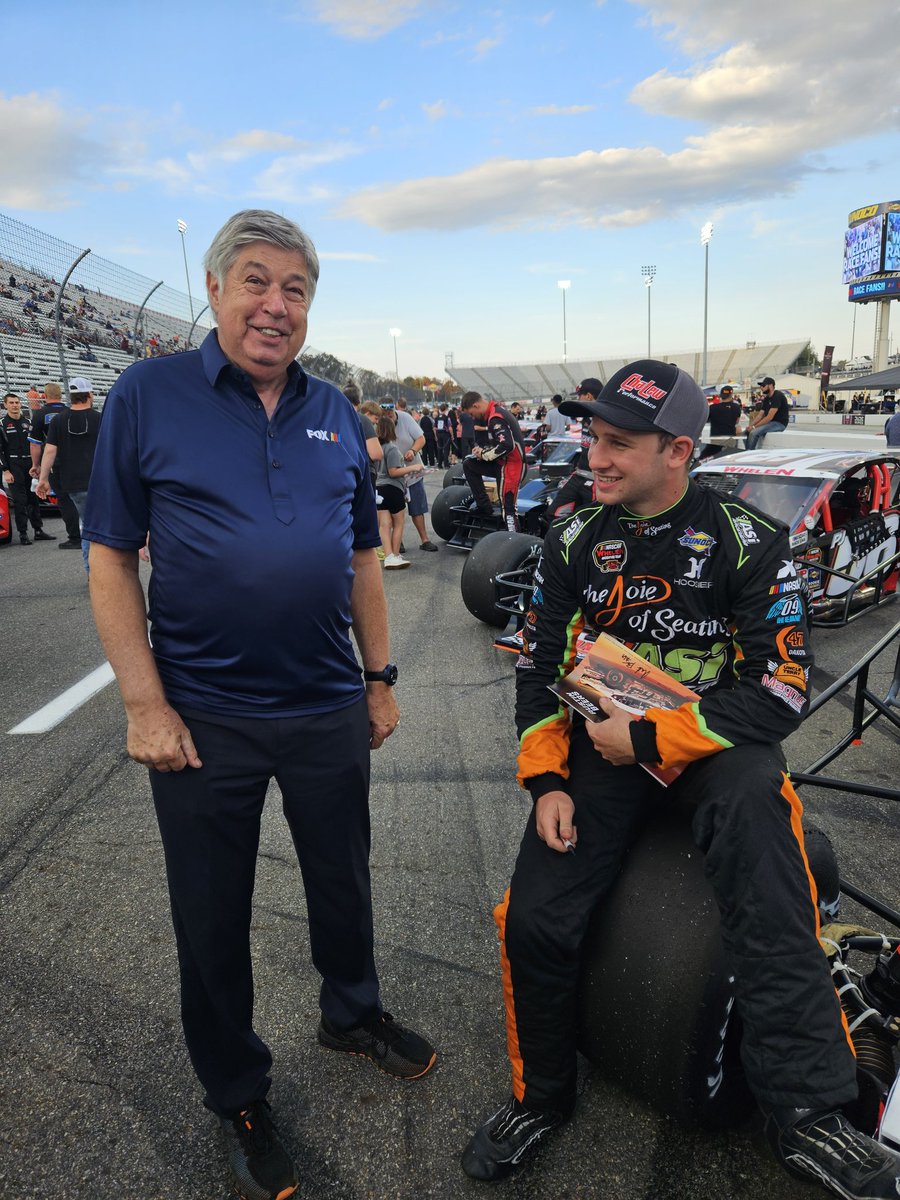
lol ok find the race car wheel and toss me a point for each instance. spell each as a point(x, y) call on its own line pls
point(496, 554)
point(656, 1011)
point(442, 521)
point(454, 475)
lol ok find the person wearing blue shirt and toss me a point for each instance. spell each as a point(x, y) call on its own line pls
point(262, 535)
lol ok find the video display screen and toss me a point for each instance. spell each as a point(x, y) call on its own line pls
point(862, 249)
point(892, 243)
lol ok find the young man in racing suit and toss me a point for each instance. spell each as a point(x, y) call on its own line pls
point(578, 489)
point(502, 459)
point(705, 587)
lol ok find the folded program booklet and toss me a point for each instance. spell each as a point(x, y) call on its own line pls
point(632, 683)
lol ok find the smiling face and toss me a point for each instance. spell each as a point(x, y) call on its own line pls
point(261, 309)
point(631, 469)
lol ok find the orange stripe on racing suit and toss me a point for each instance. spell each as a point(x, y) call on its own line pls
point(512, 1035)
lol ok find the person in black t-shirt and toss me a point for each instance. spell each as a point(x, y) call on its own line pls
point(773, 416)
point(724, 416)
point(71, 442)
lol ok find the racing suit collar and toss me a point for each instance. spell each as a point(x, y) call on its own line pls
point(662, 522)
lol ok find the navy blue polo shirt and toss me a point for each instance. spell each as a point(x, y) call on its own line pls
point(252, 526)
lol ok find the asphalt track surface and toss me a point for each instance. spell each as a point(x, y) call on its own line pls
point(99, 1097)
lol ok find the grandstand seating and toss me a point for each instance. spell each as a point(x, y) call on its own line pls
point(530, 382)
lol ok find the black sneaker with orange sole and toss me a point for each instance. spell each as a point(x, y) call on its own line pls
point(389, 1045)
point(260, 1165)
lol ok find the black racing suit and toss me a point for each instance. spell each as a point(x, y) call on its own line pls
point(15, 457)
point(578, 489)
point(708, 591)
point(502, 459)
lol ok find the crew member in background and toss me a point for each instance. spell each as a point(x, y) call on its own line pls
point(578, 490)
point(773, 416)
point(443, 435)
point(37, 437)
point(15, 459)
point(367, 429)
point(557, 424)
point(69, 452)
point(503, 458)
point(724, 418)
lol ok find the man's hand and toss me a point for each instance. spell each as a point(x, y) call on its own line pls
point(7, 476)
point(612, 737)
point(160, 739)
point(553, 815)
point(43, 489)
point(384, 714)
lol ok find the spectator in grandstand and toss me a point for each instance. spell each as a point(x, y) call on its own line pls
point(70, 447)
point(410, 440)
point(264, 555)
point(15, 460)
point(773, 416)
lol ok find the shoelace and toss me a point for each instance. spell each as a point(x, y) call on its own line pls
point(252, 1128)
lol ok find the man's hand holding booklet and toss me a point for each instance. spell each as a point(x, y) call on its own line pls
point(611, 671)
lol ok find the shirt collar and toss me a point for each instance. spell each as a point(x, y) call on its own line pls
point(215, 362)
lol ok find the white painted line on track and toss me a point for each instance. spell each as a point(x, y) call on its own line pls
point(57, 710)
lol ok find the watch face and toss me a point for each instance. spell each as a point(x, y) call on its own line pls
point(390, 674)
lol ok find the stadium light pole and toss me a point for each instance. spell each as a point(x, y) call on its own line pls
point(705, 236)
point(395, 333)
point(648, 273)
point(182, 229)
point(564, 285)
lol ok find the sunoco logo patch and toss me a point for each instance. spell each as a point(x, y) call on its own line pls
point(610, 556)
point(697, 541)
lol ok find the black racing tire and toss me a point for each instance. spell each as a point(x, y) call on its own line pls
point(454, 475)
point(656, 1009)
point(442, 521)
point(494, 555)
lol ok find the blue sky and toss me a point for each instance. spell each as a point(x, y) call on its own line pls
point(454, 161)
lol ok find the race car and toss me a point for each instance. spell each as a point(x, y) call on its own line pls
point(842, 510)
point(453, 515)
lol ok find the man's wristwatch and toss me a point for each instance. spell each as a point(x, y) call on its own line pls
point(388, 675)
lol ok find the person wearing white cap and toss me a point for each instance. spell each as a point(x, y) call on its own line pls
point(71, 442)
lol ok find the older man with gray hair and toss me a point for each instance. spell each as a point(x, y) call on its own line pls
point(251, 674)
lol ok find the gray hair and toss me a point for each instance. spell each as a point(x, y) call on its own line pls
point(258, 225)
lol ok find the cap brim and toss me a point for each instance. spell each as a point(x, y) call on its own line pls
point(613, 414)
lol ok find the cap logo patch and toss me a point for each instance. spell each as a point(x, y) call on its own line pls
point(637, 385)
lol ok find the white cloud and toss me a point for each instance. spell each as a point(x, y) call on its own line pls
point(769, 91)
point(349, 256)
point(557, 110)
point(483, 47)
point(365, 18)
point(243, 145)
point(283, 180)
point(387, 102)
point(435, 111)
point(46, 155)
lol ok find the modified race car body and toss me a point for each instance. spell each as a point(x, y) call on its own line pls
point(842, 512)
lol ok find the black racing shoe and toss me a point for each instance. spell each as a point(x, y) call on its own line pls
point(70, 544)
point(24, 539)
point(389, 1045)
point(40, 536)
point(826, 1148)
point(504, 1140)
point(260, 1165)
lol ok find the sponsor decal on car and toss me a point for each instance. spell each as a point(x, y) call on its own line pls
point(799, 539)
point(785, 611)
point(697, 541)
point(790, 696)
point(610, 556)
